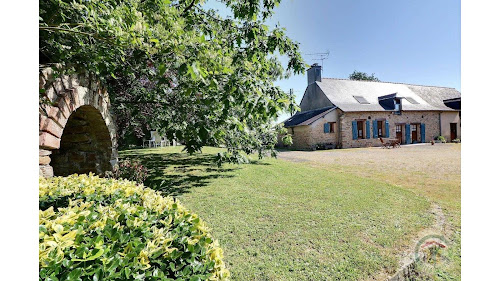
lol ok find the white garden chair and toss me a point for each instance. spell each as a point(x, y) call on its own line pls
point(164, 142)
point(156, 139)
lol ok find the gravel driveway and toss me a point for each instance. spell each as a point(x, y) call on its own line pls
point(439, 161)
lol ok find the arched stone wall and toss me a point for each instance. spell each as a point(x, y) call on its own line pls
point(77, 133)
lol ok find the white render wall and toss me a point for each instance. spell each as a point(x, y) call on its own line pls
point(446, 119)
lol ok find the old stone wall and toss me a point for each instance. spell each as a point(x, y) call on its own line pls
point(318, 135)
point(308, 137)
point(77, 133)
point(429, 118)
point(301, 136)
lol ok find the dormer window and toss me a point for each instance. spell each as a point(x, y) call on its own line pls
point(397, 106)
point(390, 102)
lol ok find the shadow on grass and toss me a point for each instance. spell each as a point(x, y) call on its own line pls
point(177, 173)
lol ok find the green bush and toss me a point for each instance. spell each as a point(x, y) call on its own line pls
point(456, 141)
point(93, 228)
point(129, 170)
point(441, 139)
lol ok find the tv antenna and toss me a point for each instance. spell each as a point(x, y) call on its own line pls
point(319, 57)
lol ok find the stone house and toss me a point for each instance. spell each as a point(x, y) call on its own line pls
point(345, 113)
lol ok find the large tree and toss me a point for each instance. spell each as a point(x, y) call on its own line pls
point(178, 66)
point(363, 76)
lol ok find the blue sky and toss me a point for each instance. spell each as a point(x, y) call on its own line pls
point(415, 42)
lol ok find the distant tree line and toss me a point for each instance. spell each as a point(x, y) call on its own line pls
point(363, 76)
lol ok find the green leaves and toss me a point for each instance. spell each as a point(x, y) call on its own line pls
point(94, 255)
point(194, 71)
point(187, 73)
point(162, 68)
point(128, 232)
point(75, 275)
point(357, 75)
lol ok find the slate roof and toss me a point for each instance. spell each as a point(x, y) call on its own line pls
point(436, 95)
point(307, 117)
point(341, 93)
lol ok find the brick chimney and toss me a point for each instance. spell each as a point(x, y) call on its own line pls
point(314, 74)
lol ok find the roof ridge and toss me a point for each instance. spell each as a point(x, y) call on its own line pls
point(321, 108)
point(401, 83)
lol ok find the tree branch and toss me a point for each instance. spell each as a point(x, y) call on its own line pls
point(188, 7)
point(144, 102)
point(93, 35)
point(56, 28)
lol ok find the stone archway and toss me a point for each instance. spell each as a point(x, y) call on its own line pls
point(77, 133)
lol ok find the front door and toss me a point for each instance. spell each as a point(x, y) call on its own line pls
point(453, 131)
point(380, 126)
point(399, 133)
point(414, 135)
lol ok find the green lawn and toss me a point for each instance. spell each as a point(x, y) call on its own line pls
point(280, 220)
point(432, 171)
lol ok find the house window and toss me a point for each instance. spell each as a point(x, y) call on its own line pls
point(361, 129)
point(332, 126)
point(293, 131)
point(329, 127)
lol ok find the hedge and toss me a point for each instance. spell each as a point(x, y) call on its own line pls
point(93, 228)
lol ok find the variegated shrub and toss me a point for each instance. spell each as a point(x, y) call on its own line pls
point(94, 228)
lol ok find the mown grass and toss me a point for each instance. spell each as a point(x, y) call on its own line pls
point(279, 220)
point(429, 171)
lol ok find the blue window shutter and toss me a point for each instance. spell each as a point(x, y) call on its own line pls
point(422, 132)
point(407, 134)
point(375, 129)
point(354, 130)
point(326, 128)
point(367, 129)
point(387, 129)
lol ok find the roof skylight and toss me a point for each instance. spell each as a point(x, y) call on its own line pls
point(411, 100)
point(361, 99)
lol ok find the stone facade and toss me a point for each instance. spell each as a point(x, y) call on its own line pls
point(76, 131)
point(429, 118)
point(310, 136)
point(301, 137)
point(400, 107)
